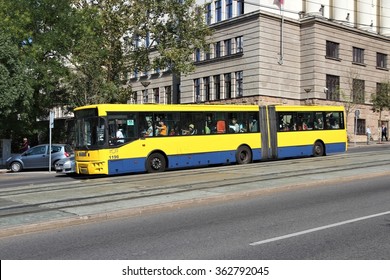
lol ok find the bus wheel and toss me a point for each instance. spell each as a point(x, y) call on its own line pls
point(156, 163)
point(244, 155)
point(318, 149)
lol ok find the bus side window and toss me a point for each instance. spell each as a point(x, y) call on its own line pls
point(318, 121)
point(210, 125)
point(254, 125)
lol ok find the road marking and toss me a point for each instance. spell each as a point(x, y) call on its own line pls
point(317, 229)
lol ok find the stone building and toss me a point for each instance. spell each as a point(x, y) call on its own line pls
point(302, 52)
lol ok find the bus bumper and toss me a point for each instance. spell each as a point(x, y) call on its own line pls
point(91, 168)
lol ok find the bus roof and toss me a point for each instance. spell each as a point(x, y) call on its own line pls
point(104, 108)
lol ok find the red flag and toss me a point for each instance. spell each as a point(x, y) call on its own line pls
point(279, 3)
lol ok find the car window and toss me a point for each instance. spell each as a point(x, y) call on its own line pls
point(55, 149)
point(39, 150)
point(68, 149)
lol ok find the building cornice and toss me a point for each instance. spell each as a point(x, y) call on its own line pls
point(314, 20)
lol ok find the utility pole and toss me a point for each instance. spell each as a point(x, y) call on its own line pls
point(51, 125)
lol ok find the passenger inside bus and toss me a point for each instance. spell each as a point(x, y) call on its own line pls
point(234, 126)
point(172, 132)
point(253, 127)
point(191, 130)
point(161, 129)
point(210, 125)
point(120, 138)
point(149, 130)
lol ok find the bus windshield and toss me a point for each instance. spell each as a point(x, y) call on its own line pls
point(90, 133)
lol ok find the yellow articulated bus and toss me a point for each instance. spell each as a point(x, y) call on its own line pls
point(126, 138)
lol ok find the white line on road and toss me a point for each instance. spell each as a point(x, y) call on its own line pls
point(317, 229)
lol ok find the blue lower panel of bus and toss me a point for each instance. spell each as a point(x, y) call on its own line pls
point(120, 166)
point(178, 161)
point(223, 157)
point(298, 151)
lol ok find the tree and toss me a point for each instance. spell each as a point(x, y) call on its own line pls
point(117, 37)
point(381, 100)
point(16, 92)
point(77, 52)
point(36, 30)
point(355, 95)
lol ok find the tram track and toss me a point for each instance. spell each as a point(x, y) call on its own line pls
point(87, 193)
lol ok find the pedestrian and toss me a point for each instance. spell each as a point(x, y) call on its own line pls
point(25, 145)
point(368, 133)
point(384, 132)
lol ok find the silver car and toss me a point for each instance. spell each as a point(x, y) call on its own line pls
point(38, 157)
point(66, 165)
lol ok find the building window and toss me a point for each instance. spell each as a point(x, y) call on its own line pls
point(239, 44)
point(133, 98)
point(358, 91)
point(147, 40)
point(218, 10)
point(239, 83)
point(208, 14)
point(208, 54)
point(156, 95)
point(332, 50)
point(381, 60)
point(206, 88)
point(136, 41)
point(217, 87)
point(229, 8)
point(240, 7)
point(168, 94)
point(382, 90)
point(333, 85)
point(360, 127)
point(197, 90)
point(145, 96)
point(228, 47)
point(217, 50)
point(228, 85)
point(358, 55)
point(197, 55)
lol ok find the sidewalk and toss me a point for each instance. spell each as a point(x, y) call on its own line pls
point(364, 144)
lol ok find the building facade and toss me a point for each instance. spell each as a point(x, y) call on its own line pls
point(301, 52)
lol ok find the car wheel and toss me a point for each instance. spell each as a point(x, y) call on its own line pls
point(16, 166)
point(53, 167)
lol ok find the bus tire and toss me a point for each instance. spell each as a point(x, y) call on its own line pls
point(244, 155)
point(156, 162)
point(318, 149)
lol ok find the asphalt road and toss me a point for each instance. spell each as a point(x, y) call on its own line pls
point(36, 177)
point(347, 220)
